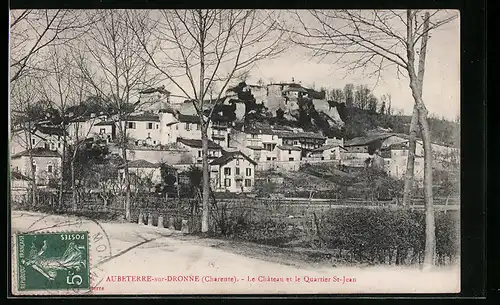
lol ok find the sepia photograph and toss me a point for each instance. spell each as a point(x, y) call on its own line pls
point(230, 151)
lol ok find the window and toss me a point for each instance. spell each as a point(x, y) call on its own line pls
point(157, 126)
point(227, 182)
point(34, 167)
point(268, 159)
point(248, 182)
point(49, 169)
point(255, 136)
point(33, 141)
point(295, 142)
point(227, 171)
point(149, 126)
point(176, 127)
point(154, 142)
point(187, 127)
point(59, 145)
point(289, 152)
point(237, 171)
point(199, 153)
point(291, 159)
point(238, 162)
point(248, 172)
point(198, 126)
point(131, 125)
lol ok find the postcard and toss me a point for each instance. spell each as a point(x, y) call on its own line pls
point(228, 151)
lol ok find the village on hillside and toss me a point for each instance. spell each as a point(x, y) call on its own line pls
point(163, 132)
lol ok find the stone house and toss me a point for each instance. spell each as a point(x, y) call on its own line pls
point(233, 172)
point(46, 164)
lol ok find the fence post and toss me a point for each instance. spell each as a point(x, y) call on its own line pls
point(141, 218)
point(185, 226)
point(160, 221)
point(171, 223)
point(150, 219)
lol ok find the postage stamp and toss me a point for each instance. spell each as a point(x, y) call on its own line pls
point(53, 261)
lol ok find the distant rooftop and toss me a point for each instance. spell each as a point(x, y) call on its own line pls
point(144, 117)
point(288, 147)
point(326, 147)
point(37, 152)
point(228, 156)
point(198, 144)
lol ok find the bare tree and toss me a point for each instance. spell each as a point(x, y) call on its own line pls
point(65, 89)
point(26, 112)
point(33, 31)
point(198, 48)
point(376, 41)
point(112, 63)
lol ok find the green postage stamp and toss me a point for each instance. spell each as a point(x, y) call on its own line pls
point(53, 261)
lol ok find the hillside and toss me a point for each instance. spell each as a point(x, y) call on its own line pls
point(336, 119)
point(326, 181)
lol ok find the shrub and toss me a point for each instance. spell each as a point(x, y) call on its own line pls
point(385, 235)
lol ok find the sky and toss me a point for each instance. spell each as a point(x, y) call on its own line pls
point(441, 90)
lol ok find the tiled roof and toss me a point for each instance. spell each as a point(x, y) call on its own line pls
point(37, 152)
point(296, 135)
point(50, 130)
point(153, 90)
point(255, 147)
point(141, 164)
point(228, 156)
point(186, 118)
point(145, 117)
point(296, 89)
point(367, 140)
point(288, 147)
point(197, 143)
point(323, 148)
point(19, 176)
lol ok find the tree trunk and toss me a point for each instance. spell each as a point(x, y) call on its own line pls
point(416, 89)
point(32, 167)
point(73, 186)
point(412, 145)
point(430, 226)
point(206, 181)
point(430, 236)
point(61, 179)
point(410, 164)
point(127, 183)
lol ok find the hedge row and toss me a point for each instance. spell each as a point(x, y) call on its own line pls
point(374, 236)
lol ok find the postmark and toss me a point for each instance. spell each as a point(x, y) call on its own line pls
point(53, 261)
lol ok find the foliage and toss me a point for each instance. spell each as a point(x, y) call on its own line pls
point(386, 236)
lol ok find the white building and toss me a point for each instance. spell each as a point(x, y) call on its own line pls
point(328, 152)
point(143, 129)
point(19, 186)
point(47, 137)
point(46, 164)
point(396, 161)
point(233, 172)
point(142, 169)
point(195, 149)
